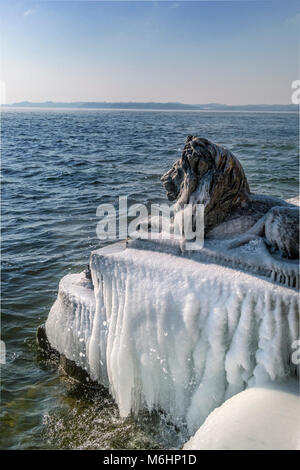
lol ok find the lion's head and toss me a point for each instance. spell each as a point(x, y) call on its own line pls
point(207, 174)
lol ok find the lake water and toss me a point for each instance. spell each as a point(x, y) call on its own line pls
point(57, 167)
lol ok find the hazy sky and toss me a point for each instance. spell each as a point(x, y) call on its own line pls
point(232, 52)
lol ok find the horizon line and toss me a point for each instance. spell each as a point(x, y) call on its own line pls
point(211, 104)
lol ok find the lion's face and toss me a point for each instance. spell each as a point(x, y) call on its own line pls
point(207, 174)
point(188, 170)
point(172, 181)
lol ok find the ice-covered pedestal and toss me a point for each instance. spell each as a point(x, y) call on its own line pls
point(165, 331)
point(181, 331)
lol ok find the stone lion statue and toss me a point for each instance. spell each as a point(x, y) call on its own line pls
point(209, 174)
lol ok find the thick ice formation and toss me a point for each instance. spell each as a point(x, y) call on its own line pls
point(252, 257)
point(71, 317)
point(171, 333)
point(257, 418)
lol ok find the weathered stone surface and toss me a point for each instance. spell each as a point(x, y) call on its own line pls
point(44, 345)
point(66, 366)
point(209, 174)
point(281, 230)
point(71, 369)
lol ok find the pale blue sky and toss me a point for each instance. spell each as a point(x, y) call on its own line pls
point(233, 52)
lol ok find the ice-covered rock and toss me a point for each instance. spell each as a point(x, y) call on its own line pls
point(265, 418)
point(169, 332)
point(69, 322)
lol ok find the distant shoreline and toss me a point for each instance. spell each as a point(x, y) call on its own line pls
point(152, 106)
point(225, 111)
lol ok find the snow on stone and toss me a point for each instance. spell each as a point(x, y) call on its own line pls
point(256, 419)
point(294, 200)
point(170, 333)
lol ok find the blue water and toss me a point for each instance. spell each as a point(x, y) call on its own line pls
point(57, 167)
